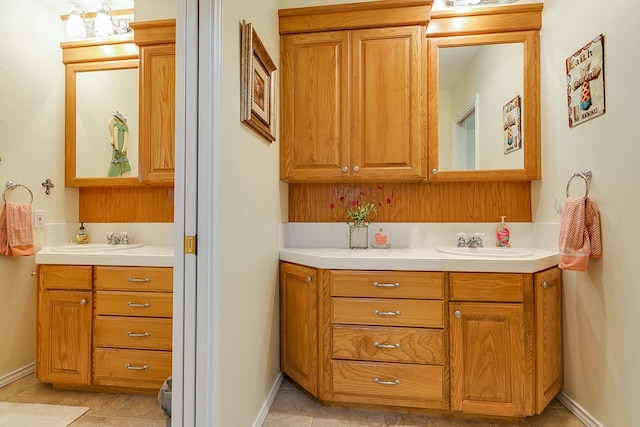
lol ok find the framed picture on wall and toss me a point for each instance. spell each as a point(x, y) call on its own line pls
point(585, 82)
point(258, 84)
point(511, 125)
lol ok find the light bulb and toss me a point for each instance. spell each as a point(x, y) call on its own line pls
point(75, 23)
point(102, 26)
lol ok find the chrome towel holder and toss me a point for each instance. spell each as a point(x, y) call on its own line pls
point(586, 175)
point(10, 185)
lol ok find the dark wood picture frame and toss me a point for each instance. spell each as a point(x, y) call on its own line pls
point(258, 84)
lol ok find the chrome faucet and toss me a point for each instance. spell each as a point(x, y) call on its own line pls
point(474, 241)
point(121, 238)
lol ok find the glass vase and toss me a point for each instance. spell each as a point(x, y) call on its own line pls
point(358, 235)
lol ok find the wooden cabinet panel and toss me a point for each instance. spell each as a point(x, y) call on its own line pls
point(64, 336)
point(134, 278)
point(127, 332)
point(65, 277)
point(388, 312)
point(548, 314)
point(384, 344)
point(299, 325)
point(487, 358)
point(315, 109)
point(507, 287)
point(388, 383)
point(387, 284)
point(140, 369)
point(388, 89)
point(144, 304)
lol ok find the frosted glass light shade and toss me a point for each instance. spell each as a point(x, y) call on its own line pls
point(75, 24)
point(102, 26)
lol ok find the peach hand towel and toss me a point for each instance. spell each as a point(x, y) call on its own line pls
point(579, 233)
point(16, 231)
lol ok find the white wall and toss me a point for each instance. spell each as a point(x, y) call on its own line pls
point(251, 215)
point(601, 315)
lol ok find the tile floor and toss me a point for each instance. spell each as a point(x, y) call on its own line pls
point(294, 408)
point(106, 409)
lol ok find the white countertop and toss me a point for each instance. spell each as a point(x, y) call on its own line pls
point(144, 256)
point(417, 259)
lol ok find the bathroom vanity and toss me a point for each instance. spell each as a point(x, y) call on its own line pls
point(105, 318)
point(416, 329)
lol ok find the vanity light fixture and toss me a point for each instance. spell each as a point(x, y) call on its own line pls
point(103, 26)
point(463, 3)
point(76, 23)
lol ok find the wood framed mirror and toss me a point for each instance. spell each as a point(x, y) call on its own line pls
point(101, 82)
point(484, 94)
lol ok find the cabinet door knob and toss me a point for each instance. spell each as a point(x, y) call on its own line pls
point(356, 168)
point(544, 285)
point(83, 301)
point(434, 171)
point(345, 169)
point(457, 313)
point(309, 279)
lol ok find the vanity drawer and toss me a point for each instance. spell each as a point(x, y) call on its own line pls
point(134, 278)
point(388, 344)
point(147, 304)
point(388, 312)
point(65, 276)
point(389, 380)
point(499, 287)
point(132, 332)
point(387, 284)
point(146, 369)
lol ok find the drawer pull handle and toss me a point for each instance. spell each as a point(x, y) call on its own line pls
point(379, 381)
point(133, 304)
point(385, 285)
point(387, 313)
point(377, 344)
point(134, 279)
point(136, 368)
point(134, 334)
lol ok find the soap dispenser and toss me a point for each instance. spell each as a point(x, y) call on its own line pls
point(502, 234)
point(81, 235)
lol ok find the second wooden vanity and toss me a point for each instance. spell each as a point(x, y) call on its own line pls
point(482, 343)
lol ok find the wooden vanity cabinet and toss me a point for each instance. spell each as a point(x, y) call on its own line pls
point(477, 343)
point(353, 98)
point(299, 325)
point(105, 328)
point(64, 320)
point(506, 342)
point(156, 139)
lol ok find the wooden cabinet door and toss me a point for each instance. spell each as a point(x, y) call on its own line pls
point(157, 105)
point(314, 106)
point(64, 337)
point(388, 92)
point(487, 358)
point(299, 325)
point(548, 315)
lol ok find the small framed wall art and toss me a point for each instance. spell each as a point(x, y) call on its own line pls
point(512, 126)
point(585, 82)
point(258, 84)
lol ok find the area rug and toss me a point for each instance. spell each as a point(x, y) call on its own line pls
point(38, 415)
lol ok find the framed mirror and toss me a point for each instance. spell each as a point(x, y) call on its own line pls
point(101, 114)
point(484, 104)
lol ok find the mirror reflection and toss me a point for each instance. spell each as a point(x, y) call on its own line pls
point(480, 114)
point(107, 123)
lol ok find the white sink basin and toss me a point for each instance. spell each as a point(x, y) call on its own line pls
point(93, 247)
point(485, 252)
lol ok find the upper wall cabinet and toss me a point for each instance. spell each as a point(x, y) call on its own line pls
point(353, 92)
point(484, 93)
point(157, 42)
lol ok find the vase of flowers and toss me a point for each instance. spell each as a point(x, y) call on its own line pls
point(360, 211)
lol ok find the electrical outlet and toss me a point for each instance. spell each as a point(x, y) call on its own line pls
point(38, 219)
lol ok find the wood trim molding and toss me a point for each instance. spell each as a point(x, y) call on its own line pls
point(370, 14)
point(154, 32)
point(99, 50)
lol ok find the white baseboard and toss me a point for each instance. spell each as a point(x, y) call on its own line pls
point(578, 410)
point(17, 374)
point(270, 398)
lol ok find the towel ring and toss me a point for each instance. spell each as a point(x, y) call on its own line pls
point(586, 175)
point(10, 185)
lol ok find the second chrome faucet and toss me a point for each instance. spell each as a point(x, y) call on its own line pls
point(474, 241)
